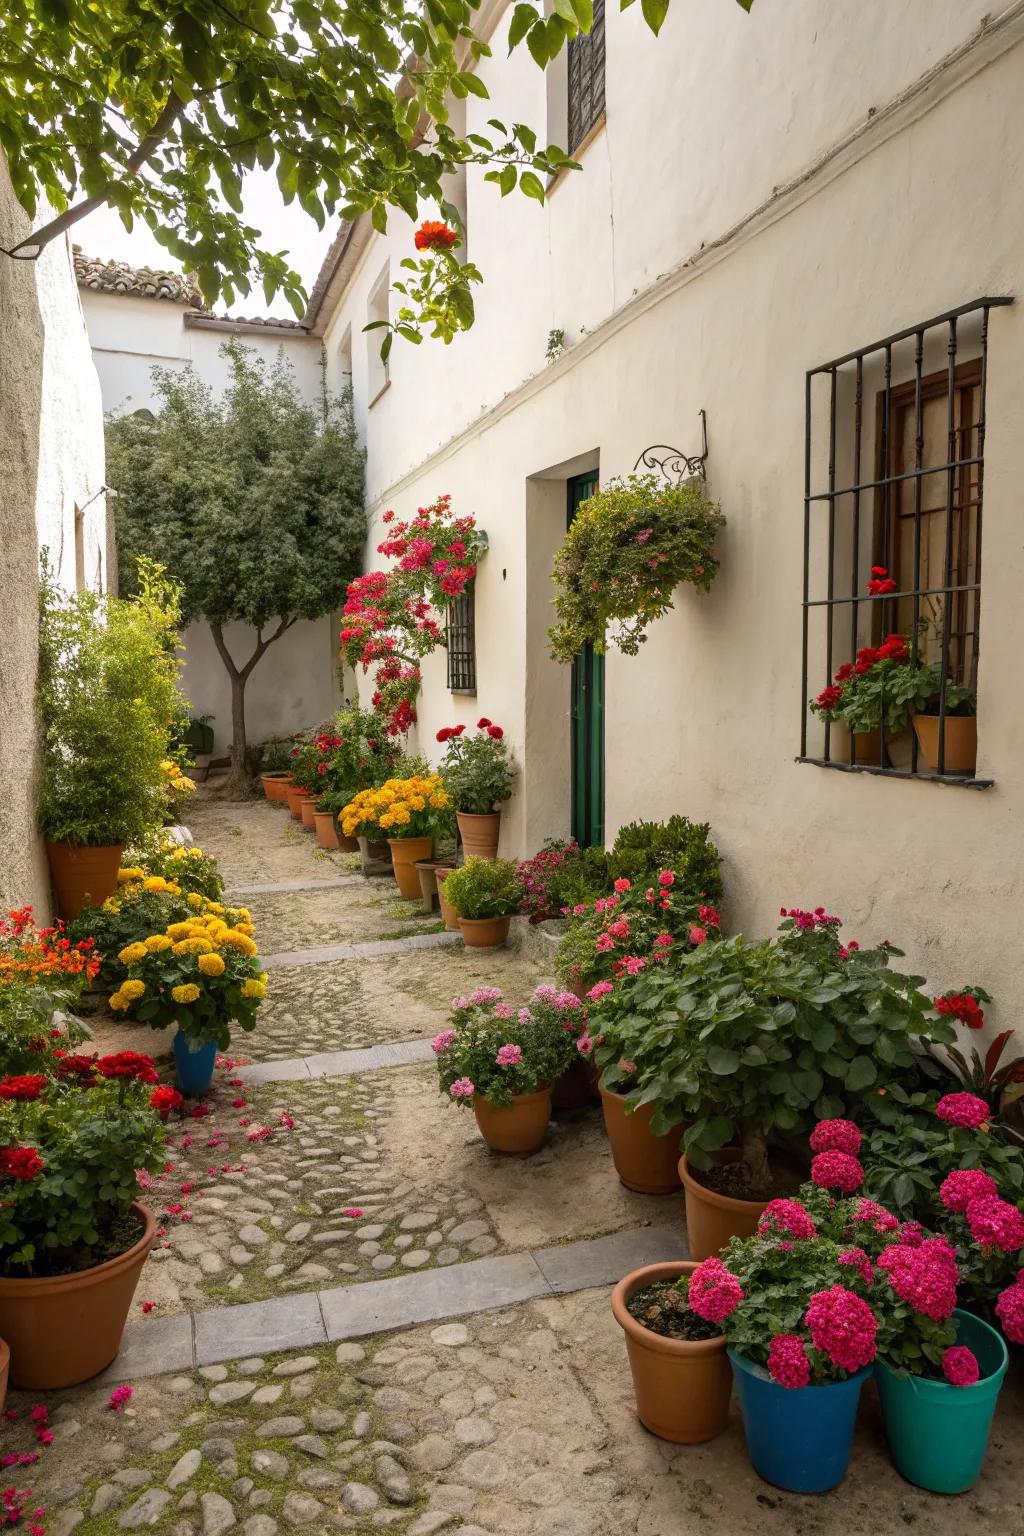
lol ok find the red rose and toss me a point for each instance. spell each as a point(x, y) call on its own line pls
point(20, 1163)
point(495, 732)
point(444, 733)
point(482, 723)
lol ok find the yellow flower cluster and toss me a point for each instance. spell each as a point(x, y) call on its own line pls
point(396, 805)
point(178, 783)
point(219, 931)
point(177, 853)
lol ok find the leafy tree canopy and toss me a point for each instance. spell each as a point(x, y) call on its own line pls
point(160, 109)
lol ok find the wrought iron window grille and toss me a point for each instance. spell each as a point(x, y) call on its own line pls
point(585, 65)
point(460, 637)
point(922, 523)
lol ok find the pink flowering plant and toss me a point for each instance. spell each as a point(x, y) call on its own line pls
point(633, 926)
point(993, 1076)
point(924, 1137)
point(498, 1050)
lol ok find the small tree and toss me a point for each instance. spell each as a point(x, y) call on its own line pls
point(253, 502)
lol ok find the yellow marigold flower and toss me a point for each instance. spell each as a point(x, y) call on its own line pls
point(211, 965)
point(110, 905)
point(215, 906)
point(418, 803)
point(193, 947)
point(132, 954)
point(157, 943)
point(118, 1001)
point(187, 993)
point(168, 767)
point(194, 853)
point(244, 914)
point(240, 941)
point(255, 987)
point(194, 900)
point(179, 930)
point(245, 928)
point(439, 802)
point(131, 872)
point(132, 989)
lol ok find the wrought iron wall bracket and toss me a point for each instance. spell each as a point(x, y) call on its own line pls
point(672, 464)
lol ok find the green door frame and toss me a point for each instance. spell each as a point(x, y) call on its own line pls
point(586, 713)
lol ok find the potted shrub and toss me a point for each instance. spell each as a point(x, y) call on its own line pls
point(485, 894)
point(478, 775)
point(409, 812)
point(628, 548)
point(73, 1237)
point(201, 975)
point(107, 693)
point(275, 759)
point(881, 684)
point(681, 1377)
point(503, 1060)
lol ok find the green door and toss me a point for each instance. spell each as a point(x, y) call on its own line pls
point(587, 716)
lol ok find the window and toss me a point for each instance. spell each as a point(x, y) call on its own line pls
point(586, 79)
point(894, 477)
point(378, 308)
point(461, 642)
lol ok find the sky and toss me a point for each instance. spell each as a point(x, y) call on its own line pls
point(102, 235)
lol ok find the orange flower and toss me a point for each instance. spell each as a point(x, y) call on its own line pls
point(435, 236)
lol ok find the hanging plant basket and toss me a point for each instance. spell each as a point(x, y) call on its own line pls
point(628, 548)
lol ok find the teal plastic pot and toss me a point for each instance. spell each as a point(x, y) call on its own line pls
point(195, 1063)
point(798, 1438)
point(938, 1433)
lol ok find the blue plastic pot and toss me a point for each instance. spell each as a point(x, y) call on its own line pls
point(797, 1438)
point(195, 1064)
point(938, 1433)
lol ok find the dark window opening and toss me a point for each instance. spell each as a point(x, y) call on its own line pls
point(894, 479)
point(586, 79)
point(461, 640)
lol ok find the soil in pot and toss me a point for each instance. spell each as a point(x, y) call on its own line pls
point(64, 1328)
point(723, 1203)
point(480, 834)
point(681, 1375)
point(484, 932)
point(517, 1129)
point(644, 1162)
point(83, 876)
point(326, 829)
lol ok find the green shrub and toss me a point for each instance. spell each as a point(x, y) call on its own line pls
point(643, 848)
point(484, 888)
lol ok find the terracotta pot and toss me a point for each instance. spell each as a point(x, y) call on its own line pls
point(643, 1161)
point(307, 812)
point(295, 795)
point(479, 834)
point(325, 828)
point(5, 1365)
point(274, 785)
point(961, 755)
point(682, 1386)
point(711, 1219)
point(376, 858)
point(484, 932)
point(406, 852)
point(517, 1128)
point(83, 876)
point(63, 1329)
point(448, 912)
point(577, 1087)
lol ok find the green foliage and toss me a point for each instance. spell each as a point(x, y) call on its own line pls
point(580, 877)
point(108, 698)
point(130, 915)
point(483, 888)
point(477, 771)
point(544, 1031)
point(644, 848)
point(628, 548)
point(907, 1157)
point(187, 867)
point(275, 754)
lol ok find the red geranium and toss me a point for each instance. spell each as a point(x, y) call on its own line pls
point(433, 235)
point(128, 1064)
point(164, 1099)
point(20, 1163)
point(28, 1087)
point(881, 582)
point(82, 1067)
point(961, 1006)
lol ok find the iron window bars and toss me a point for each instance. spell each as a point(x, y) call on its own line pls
point(586, 79)
point(894, 369)
point(461, 640)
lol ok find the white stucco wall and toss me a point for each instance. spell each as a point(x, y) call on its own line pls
point(922, 211)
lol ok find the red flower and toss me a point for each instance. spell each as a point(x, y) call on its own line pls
point(128, 1064)
point(433, 235)
point(482, 723)
point(843, 672)
point(828, 698)
point(495, 732)
point(164, 1099)
point(959, 1005)
point(29, 1087)
point(881, 581)
point(81, 1067)
point(20, 1163)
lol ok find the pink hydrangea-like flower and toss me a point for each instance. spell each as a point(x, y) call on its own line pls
point(963, 1185)
point(837, 1170)
point(836, 1136)
point(860, 1262)
point(787, 1361)
point(925, 1276)
point(960, 1366)
point(875, 1215)
point(462, 1088)
point(635, 964)
point(486, 995)
point(715, 1292)
point(786, 1216)
point(504, 1011)
point(600, 989)
point(584, 1045)
point(567, 1002)
point(509, 1055)
point(441, 1042)
point(1010, 1310)
point(666, 879)
point(604, 943)
point(698, 935)
point(842, 1326)
point(459, 1003)
point(622, 885)
point(963, 1109)
point(995, 1223)
point(620, 928)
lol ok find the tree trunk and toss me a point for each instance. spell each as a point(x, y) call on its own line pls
point(239, 782)
point(754, 1155)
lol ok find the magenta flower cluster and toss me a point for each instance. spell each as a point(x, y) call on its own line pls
point(876, 1216)
point(924, 1276)
point(995, 1223)
point(1010, 1310)
point(963, 1185)
point(960, 1366)
point(837, 1170)
point(842, 1326)
point(509, 1055)
point(787, 1217)
point(715, 1292)
point(857, 1259)
point(787, 1361)
point(964, 1109)
point(836, 1136)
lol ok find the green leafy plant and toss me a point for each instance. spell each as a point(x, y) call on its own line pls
point(907, 1157)
point(477, 770)
point(643, 848)
point(180, 864)
point(108, 695)
point(628, 548)
point(497, 1051)
point(274, 755)
point(579, 877)
point(131, 914)
point(483, 888)
point(633, 927)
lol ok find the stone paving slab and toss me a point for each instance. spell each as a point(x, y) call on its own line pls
point(482, 1285)
point(282, 887)
point(254, 842)
point(230, 1333)
point(151, 1347)
point(324, 953)
point(604, 1260)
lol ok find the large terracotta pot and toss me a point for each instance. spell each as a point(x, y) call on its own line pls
point(295, 794)
point(448, 912)
point(643, 1161)
point(307, 812)
point(5, 1365)
point(326, 829)
point(517, 1128)
point(682, 1386)
point(961, 755)
point(275, 785)
point(83, 876)
point(577, 1087)
point(405, 852)
point(479, 834)
point(711, 1218)
point(484, 932)
point(63, 1329)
